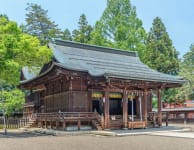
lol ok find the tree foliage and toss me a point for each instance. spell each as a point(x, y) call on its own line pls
point(161, 55)
point(119, 27)
point(39, 24)
point(14, 101)
point(187, 71)
point(160, 52)
point(67, 35)
point(82, 34)
point(11, 101)
point(18, 49)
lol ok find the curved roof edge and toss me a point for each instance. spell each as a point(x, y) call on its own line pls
point(178, 81)
point(59, 65)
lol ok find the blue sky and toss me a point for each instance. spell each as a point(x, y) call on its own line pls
point(177, 15)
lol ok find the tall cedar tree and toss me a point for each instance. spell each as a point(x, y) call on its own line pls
point(119, 27)
point(187, 71)
point(39, 24)
point(82, 34)
point(161, 54)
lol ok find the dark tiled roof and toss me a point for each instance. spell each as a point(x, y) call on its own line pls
point(101, 61)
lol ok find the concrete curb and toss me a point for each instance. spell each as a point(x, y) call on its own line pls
point(104, 133)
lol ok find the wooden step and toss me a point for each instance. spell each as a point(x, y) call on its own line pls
point(96, 125)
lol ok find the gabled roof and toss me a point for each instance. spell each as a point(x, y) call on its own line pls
point(29, 73)
point(107, 62)
point(101, 61)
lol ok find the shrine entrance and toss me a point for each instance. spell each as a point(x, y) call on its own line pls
point(116, 106)
point(132, 107)
point(97, 106)
point(97, 103)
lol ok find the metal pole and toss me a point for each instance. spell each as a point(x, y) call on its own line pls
point(4, 123)
point(4, 119)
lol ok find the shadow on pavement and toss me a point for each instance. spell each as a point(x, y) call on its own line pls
point(20, 134)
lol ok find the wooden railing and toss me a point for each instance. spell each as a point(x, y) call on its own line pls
point(64, 116)
point(56, 119)
point(116, 122)
point(14, 123)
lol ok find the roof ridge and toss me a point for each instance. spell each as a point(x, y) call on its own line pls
point(95, 47)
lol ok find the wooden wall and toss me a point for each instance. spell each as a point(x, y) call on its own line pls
point(56, 102)
point(70, 101)
point(80, 101)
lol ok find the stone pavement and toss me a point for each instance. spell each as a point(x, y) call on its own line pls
point(170, 131)
point(174, 134)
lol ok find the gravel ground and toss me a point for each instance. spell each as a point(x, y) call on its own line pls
point(29, 141)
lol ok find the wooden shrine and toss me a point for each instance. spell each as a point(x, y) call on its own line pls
point(86, 84)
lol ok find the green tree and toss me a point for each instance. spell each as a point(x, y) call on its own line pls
point(161, 54)
point(187, 71)
point(39, 24)
point(67, 35)
point(119, 27)
point(97, 37)
point(18, 49)
point(82, 34)
point(11, 101)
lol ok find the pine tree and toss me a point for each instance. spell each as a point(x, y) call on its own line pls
point(82, 34)
point(39, 24)
point(119, 27)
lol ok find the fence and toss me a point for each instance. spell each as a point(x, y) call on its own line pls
point(13, 123)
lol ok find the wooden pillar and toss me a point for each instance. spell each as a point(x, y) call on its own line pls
point(79, 124)
point(61, 106)
point(89, 101)
point(64, 125)
point(51, 124)
point(125, 108)
point(185, 118)
point(140, 107)
point(70, 101)
point(57, 124)
point(145, 105)
point(159, 107)
point(45, 123)
point(167, 116)
point(106, 108)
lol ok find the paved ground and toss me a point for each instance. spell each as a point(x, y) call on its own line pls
point(19, 140)
point(90, 142)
